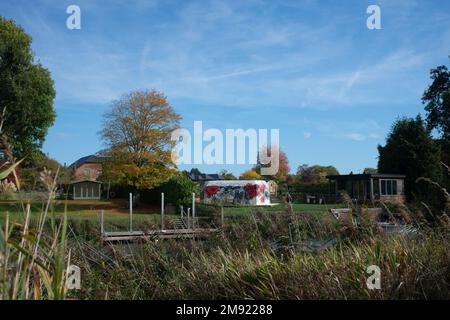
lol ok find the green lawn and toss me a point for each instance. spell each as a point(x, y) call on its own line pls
point(318, 209)
point(116, 210)
point(81, 210)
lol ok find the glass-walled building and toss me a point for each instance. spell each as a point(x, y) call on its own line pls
point(370, 187)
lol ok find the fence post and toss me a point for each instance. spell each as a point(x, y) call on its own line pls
point(189, 218)
point(102, 229)
point(193, 210)
point(162, 210)
point(131, 212)
point(221, 215)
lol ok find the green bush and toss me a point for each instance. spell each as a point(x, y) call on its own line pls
point(320, 187)
point(178, 190)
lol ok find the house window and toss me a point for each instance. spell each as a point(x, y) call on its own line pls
point(388, 187)
point(87, 173)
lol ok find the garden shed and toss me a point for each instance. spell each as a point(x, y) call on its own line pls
point(86, 189)
point(370, 186)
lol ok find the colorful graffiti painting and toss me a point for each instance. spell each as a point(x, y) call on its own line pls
point(237, 192)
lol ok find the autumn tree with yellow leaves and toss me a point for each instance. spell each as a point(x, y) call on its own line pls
point(136, 132)
point(250, 174)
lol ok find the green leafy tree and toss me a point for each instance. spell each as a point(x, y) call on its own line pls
point(437, 104)
point(437, 101)
point(315, 173)
point(410, 150)
point(195, 171)
point(323, 171)
point(26, 93)
point(178, 190)
point(30, 175)
point(228, 175)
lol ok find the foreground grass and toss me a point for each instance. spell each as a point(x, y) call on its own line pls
point(409, 270)
point(261, 257)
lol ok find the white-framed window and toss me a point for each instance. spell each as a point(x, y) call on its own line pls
point(87, 173)
point(388, 187)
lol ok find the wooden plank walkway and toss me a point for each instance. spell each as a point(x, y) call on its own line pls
point(143, 235)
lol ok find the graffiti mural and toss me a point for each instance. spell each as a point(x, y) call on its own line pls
point(237, 192)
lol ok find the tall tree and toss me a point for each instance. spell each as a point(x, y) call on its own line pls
point(26, 93)
point(437, 104)
point(437, 101)
point(137, 133)
point(410, 150)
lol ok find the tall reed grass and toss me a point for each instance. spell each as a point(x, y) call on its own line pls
point(33, 254)
point(255, 258)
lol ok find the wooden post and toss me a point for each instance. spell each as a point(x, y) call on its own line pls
point(102, 219)
point(379, 187)
point(221, 216)
point(107, 194)
point(371, 190)
point(182, 212)
point(336, 190)
point(193, 210)
point(162, 210)
point(189, 218)
point(131, 212)
point(353, 189)
point(329, 188)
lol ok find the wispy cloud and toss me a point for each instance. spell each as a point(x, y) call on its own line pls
point(355, 136)
point(241, 63)
point(221, 53)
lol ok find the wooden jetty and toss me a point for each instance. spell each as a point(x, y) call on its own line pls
point(185, 227)
point(119, 236)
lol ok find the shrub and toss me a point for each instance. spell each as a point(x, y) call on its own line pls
point(178, 190)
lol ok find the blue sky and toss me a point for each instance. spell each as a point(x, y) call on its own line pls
point(309, 68)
